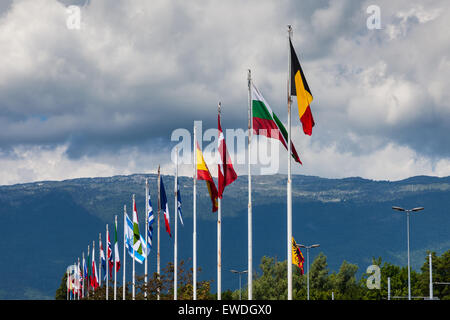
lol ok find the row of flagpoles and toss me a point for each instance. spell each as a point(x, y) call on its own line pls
point(261, 121)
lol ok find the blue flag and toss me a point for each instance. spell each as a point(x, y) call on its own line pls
point(151, 219)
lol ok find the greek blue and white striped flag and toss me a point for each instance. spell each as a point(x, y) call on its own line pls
point(151, 219)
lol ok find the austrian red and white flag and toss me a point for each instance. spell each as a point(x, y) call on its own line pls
point(226, 172)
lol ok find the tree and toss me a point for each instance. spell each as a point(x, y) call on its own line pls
point(319, 282)
point(61, 292)
point(344, 283)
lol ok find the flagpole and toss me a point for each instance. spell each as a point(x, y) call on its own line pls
point(107, 260)
point(93, 266)
point(134, 262)
point(82, 287)
point(158, 257)
point(100, 259)
point(115, 262)
point(88, 275)
point(249, 230)
point(79, 279)
point(124, 252)
point(194, 234)
point(219, 240)
point(289, 182)
point(146, 238)
point(175, 248)
point(68, 283)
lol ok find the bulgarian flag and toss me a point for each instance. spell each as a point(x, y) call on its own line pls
point(204, 174)
point(266, 122)
point(300, 88)
point(116, 247)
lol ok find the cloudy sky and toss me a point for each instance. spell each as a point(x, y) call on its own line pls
point(104, 99)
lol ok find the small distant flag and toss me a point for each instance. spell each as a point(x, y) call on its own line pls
point(226, 171)
point(204, 174)
point(85, 271)
point(300, 88)
point(165, 207)
point(179, 204)
point(103, 260)
point(297, 256)
point(94, 277)
point(116, 247)
point(109, 256)
point(129, 238)
point(137, 245)
point(151, 219)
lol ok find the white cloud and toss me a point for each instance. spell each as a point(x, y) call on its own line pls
point(138, 70)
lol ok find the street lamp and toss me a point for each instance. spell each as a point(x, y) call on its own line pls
point(240, 274)
point(307, 260)
point(408, 211)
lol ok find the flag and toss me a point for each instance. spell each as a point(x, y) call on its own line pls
point(116, 247)
point(165, 206)
point(179, 203)
point(266, 122)
point(300, 88)
point(85, 271)
point(137, 246)
point(79, 277)
point(204, 174)
point(109, 256)
point(103, 260)
point(94, 277)
point(297, 256)
point(151, 219)
point(129, 238)
point(226, 172)
point(89, 271)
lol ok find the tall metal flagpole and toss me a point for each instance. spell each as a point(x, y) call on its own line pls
point(88, 280)
point(134, 260)
point(99, 260)
point(194, 233)
point(158, 266)
point(93, 274)
point(219, 242)
point(67, 284)
point(124, 252)
point(115, 260)
point(289, 182)
point(250, 134)
point(107, 260)
point(79, 279)
point(146, 238)
point(82, 278)
point(431, 276)
point(175, 248)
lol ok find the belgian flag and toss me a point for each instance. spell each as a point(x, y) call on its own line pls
point(300, 88)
